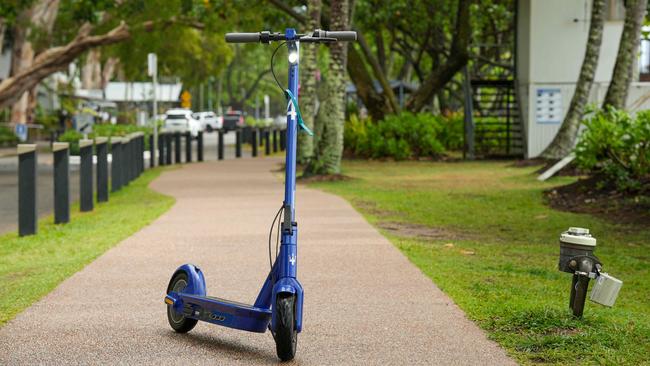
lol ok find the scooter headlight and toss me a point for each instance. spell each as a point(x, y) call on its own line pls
point(293, 56)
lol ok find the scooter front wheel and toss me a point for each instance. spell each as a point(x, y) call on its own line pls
point(178, 321)
point(286, 336)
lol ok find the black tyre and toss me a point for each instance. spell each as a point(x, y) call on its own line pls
point(178, 321)
point(209, 128)
point(286, 336)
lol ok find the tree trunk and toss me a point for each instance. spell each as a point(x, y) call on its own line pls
point(108, 70)
point(376, 103)
point(22, 58)
point(309, 74)
point(3, 27)
point(329, 148)
point(457, 59)
point(627, 52)
point(41, 16)
point(91, 76)
point(379, 74)
point(563, 142)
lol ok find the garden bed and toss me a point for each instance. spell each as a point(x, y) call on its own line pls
point(588, 196)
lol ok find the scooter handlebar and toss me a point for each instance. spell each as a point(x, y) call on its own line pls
point(242, 37)
point(346, 36)
point(266, 37)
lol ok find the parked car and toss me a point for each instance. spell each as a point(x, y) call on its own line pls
point(181, 120)
point(233, 120)
point(209, 121)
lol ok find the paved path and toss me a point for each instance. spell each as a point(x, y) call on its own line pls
point(365, 304)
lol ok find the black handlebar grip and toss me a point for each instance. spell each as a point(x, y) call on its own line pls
point(342, 35)
point(242, 37)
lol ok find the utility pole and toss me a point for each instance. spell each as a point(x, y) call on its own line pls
point(153, 72)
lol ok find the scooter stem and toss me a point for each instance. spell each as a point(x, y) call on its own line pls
point(292, 132)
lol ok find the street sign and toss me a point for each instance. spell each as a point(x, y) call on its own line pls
point(21, 132)
point(186, 99)
point(152, 64)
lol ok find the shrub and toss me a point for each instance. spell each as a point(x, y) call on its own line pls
point(404, 136)
point(617, 146)
point(72, 137)
point(7, 137)
point(105, 130)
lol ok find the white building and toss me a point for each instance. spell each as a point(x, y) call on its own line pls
point(550, 47)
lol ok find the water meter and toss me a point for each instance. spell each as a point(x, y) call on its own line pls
point(577, 247)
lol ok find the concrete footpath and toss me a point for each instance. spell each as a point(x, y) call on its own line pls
point(365, 303)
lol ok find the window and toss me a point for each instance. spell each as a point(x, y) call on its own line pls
point(644, 55)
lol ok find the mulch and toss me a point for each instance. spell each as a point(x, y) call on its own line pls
point(593, 196)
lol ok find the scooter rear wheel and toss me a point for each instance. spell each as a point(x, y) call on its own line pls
point(178, 321)
point(286, 336)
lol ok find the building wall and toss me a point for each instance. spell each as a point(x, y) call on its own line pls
point(550, 48)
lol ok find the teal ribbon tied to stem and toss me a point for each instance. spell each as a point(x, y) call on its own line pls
point(301, 123)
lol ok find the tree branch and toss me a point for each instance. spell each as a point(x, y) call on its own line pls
point(379, 73)
point(457, 59)
point(57, 59)
point(251, 89)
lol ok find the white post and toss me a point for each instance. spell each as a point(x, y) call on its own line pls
point(153, 72)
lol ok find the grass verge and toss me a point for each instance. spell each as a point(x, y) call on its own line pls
point(32, 266)
point(482, 233)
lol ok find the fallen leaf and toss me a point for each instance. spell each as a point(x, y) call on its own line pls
point(449, 245)
point(467, 252)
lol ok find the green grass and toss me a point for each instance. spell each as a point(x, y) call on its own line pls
point(502, 267)
point(32, 266)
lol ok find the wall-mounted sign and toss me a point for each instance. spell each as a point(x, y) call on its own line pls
point(548, 106)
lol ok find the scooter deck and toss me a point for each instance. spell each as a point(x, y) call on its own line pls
point(223, 312)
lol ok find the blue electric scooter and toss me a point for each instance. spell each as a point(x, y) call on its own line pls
point(278, 306)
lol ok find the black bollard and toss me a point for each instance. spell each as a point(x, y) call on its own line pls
point(188, 147)
point(141, 150)
point(137, 148)
point(102, 168)
point(133, 142)
point(238, 143)
point(283, 139)
point(254, 133)
point(267, 142)
point(220, 147)
point(27, 218)
point(116, 163)
point(246, 134)
point(177, 147)
point(125, 160)
point(136, 155)
point(152, 152)
point(86, 175)
point(61, 151)
point(199, 146)
point(168, 149)
point(161, 148)
point(275, 140)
